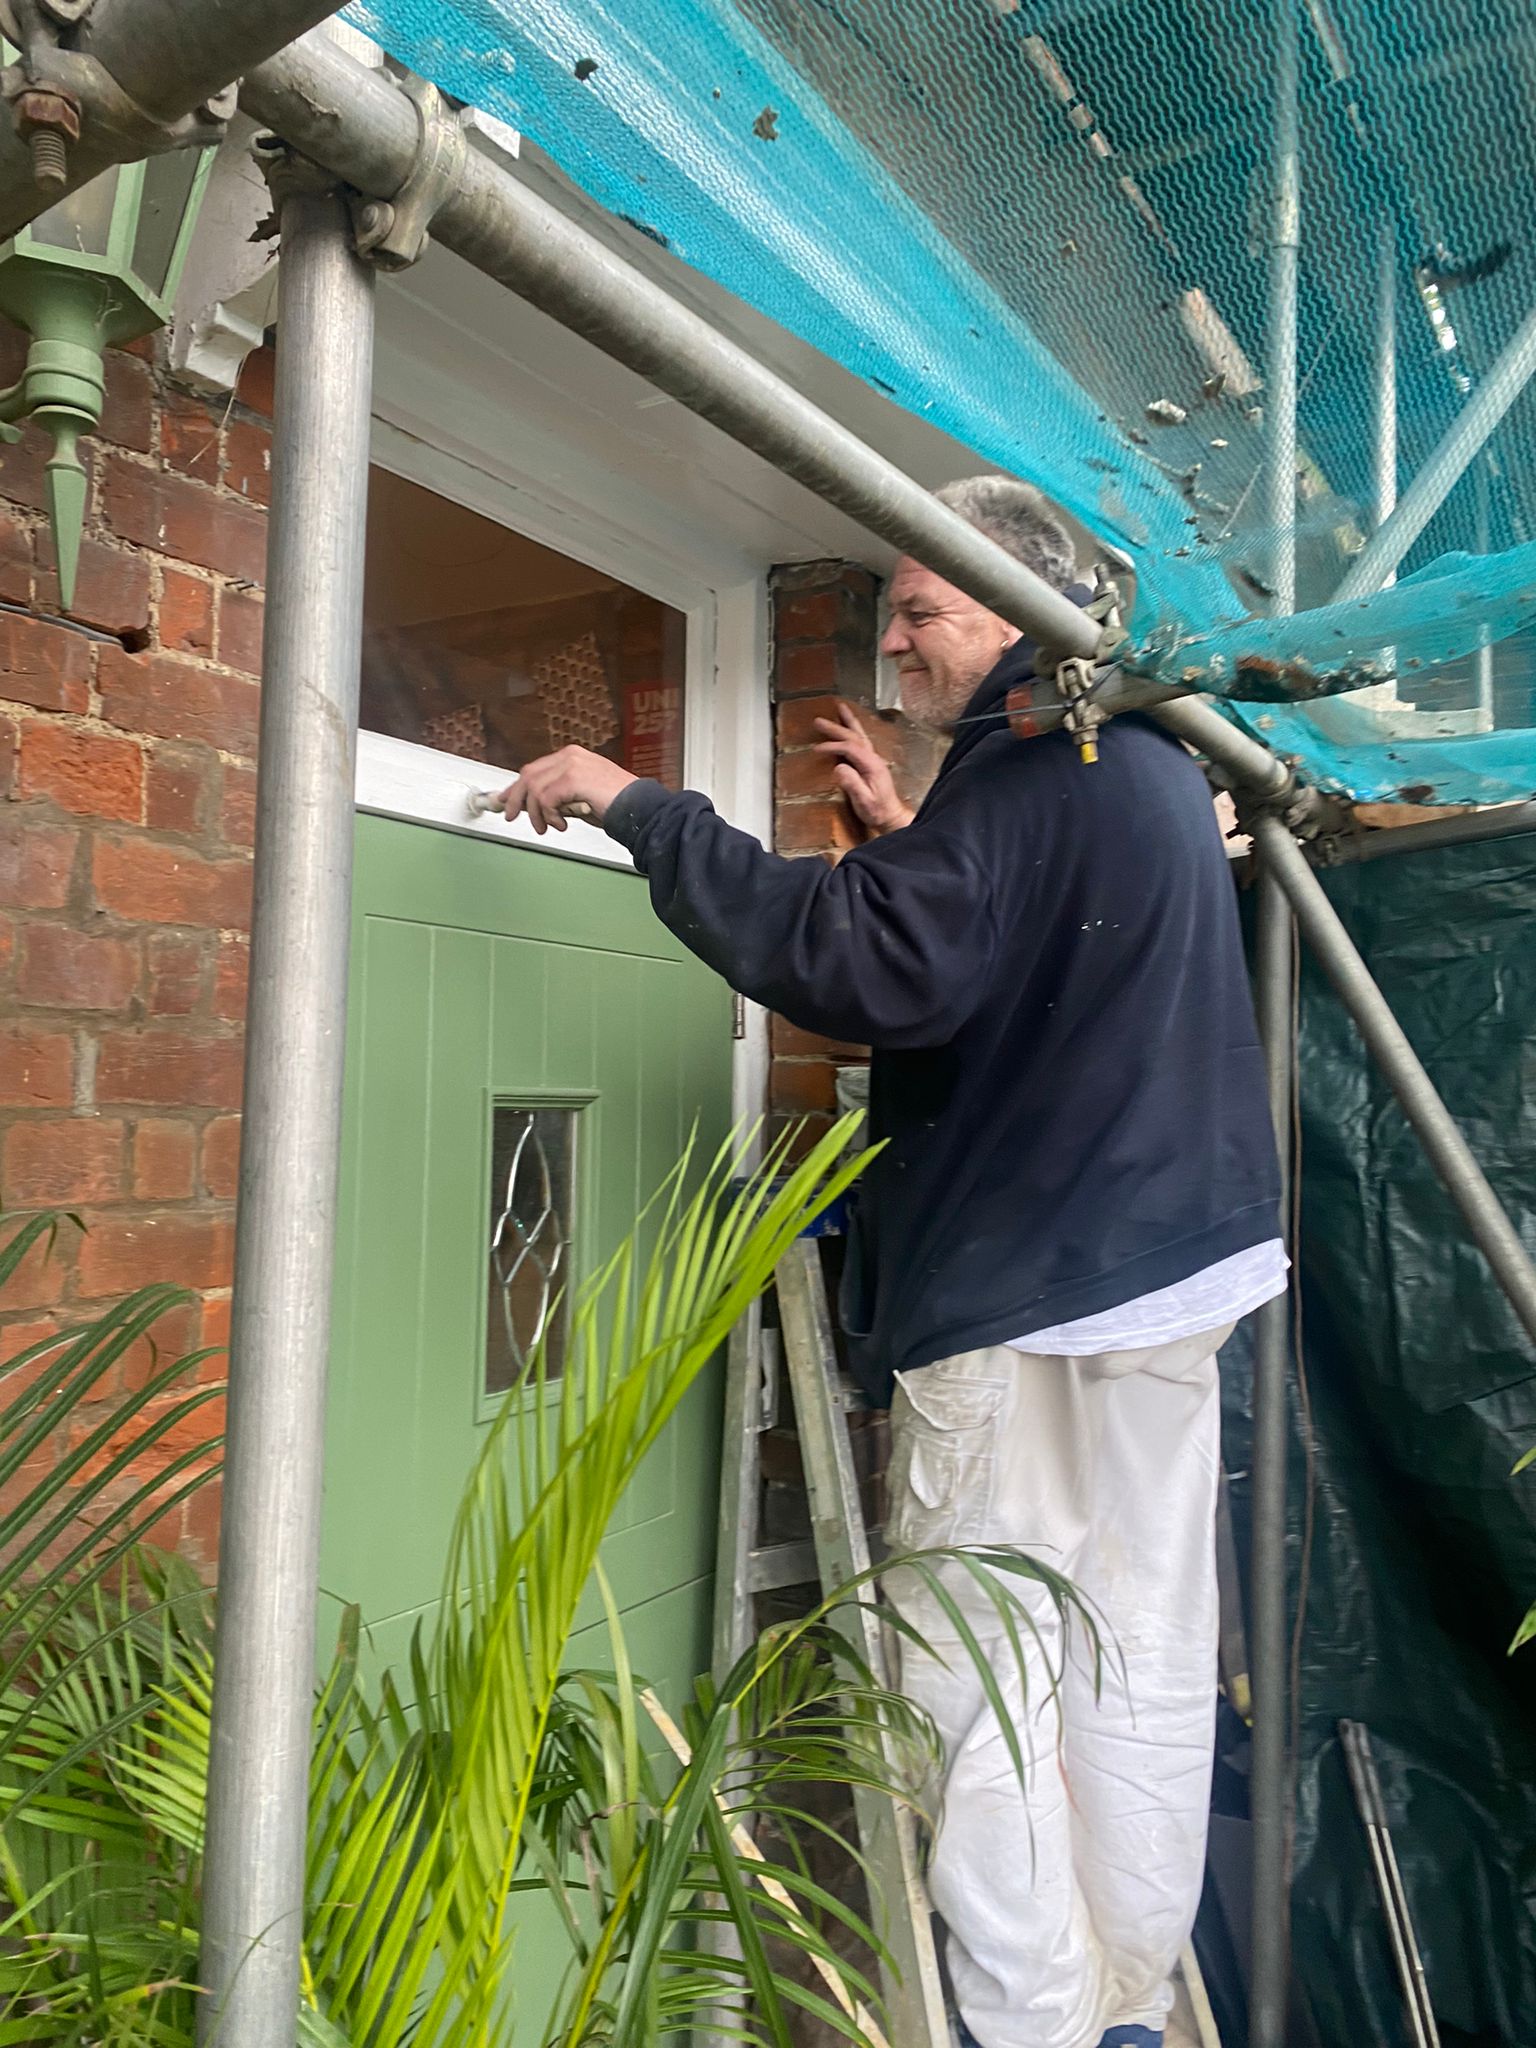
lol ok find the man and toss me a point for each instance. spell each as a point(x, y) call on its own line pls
point(1076, 1201)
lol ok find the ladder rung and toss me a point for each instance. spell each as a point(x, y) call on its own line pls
point(782, 1564)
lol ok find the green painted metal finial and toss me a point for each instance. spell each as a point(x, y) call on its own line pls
point(66, 479)
point(63, 388)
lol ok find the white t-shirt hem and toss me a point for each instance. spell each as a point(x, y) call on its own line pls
point(1208, 1300)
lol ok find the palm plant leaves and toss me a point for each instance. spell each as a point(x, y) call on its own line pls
point(95, 1938)
point(489, 1767)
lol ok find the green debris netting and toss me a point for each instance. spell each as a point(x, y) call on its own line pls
point(1044, 225)
point(1423, 1393)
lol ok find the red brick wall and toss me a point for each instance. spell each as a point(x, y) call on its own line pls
point(825, 637)
point(126, 812)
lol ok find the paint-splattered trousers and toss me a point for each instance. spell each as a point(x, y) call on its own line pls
point(1067, 1896)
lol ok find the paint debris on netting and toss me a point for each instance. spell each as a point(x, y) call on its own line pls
point(1043, 226)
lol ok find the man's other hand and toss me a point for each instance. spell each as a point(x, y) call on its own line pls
point(547, 788)
point(862, 773)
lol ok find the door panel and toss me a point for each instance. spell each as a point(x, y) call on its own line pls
point(483, 973)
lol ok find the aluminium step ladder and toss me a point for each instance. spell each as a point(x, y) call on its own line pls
point(837, 1553)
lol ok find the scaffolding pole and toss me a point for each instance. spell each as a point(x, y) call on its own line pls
point(1445, 467)
point(1505, 821)
point(1269, 1803)
point(1385, 372)
point(263, 1704)
point(1436, 1129)
point(1384, 369)
point(169, 57)
point(1483, 664)
point(1274, 974)
point(1284, 264)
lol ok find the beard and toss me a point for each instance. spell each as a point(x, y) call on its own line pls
point(933, 703)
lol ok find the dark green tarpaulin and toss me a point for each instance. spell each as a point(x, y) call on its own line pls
point(1423, 1390)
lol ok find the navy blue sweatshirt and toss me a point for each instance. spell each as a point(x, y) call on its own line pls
point(1047, 964)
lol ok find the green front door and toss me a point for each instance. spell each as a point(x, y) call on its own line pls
point(516, 1017)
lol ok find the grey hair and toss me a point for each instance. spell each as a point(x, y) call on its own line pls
point(1019, 518)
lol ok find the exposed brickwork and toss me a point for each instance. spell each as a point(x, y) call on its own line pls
point(221, 1158)
point(37, 1282)
point(175, 788)
point(169, 1068)
point(64, 1159)
point(37, 864)
point(175, 972)
point(127, 781)
point(172, 698)
point(241, 617)
point(92, 774)
point(125, 1251)
point(186, 613)
point(44, 665)
point(37, 1068)
point(112, 588)
point(825, 639)
point(134, 877)
point(164, 1159)
point(60, 968)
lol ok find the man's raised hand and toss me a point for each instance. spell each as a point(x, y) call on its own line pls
point(862, 773)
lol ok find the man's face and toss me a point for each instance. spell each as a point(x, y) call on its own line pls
point(942, 642)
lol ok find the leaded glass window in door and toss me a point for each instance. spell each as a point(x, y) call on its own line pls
point(531, 1211)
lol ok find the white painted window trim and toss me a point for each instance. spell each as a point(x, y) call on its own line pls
point(740, 737)
point(419, 786)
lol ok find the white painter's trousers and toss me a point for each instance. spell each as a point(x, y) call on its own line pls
point(1067, 1899)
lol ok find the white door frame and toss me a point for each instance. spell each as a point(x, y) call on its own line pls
point(727, 732)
